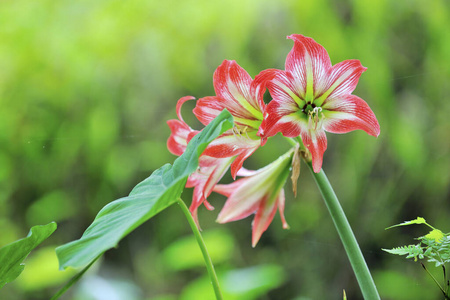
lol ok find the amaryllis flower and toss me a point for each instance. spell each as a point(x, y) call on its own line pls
point(261, 193)
point(243, 98)
point(210, 169)
point(312, 96)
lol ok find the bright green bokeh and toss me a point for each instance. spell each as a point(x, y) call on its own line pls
point(86, 89)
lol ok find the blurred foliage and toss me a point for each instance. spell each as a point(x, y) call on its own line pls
point(86, 88)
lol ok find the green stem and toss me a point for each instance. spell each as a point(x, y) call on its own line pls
point(201, 244)
point(348, 239)
point(74, 279)
point(435, 281)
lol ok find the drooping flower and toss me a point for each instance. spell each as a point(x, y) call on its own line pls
point(210, 169)
point(261, 193)
point(243, 98)
point(312, 96)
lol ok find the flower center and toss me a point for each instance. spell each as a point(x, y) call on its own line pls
point(315, 116)
point(308, 108)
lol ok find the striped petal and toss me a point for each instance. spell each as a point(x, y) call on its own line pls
point(260, 194)
point(308, 62)
point(237, 92)
point(232, 144)
point(285, 117)
point(264, 216)
point(349, 113)
point(316, 142)
point(341, 80)
point(209, 173)
point(181, 133)
point(177, 141)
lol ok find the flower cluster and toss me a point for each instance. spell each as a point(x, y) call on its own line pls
point(309, 97)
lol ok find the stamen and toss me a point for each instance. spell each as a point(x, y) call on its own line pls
point(238, 133)
point(316, 116)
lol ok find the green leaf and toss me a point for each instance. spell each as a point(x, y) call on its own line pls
point(419, 220)
point(411, 251)
point(118, 218)
point(12, 255)
point(435, 235)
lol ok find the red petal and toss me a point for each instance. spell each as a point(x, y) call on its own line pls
point(180, 103)
point(349, 113)
point(177, 141)
point(309, 63)
point(232, 82)
point(208, 108)
point(282, 117)
point(236, 92)
point(239, 161)
point(316, 142)
point(210, 171)
point(231, 144)
point(341, 80)
point(263, 218)
point(259, 85)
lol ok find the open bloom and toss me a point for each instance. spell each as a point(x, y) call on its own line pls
point(210, 169)
point(243, 98)
point(260, 193)
point(312, 96)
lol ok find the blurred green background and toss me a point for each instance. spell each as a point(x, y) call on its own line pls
point(87, 86)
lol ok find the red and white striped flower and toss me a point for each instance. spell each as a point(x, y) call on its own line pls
point(312, 96)
point(210, 169)
point(243, 98)
point(261, 193)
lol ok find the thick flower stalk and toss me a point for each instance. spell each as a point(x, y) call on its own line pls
point(261, 193)
point(312, 96)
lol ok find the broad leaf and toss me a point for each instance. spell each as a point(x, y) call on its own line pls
point(12, 255)
point(154, 194)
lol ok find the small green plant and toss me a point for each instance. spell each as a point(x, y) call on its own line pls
point(434, 246)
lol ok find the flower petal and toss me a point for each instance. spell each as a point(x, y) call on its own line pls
point(241, 202)
point(180, 103)
point(239, 160)
point(340, 81)
point(263, 218)
point(177, 141)
point(285, 117)
point(208, 108)
point(232, 144)
point(259, 85)
point(308, 62)
point(349, 113)
point(236, 92)
point(181, 133)
point(210, 171)
point(232, 83)
point(316, 142)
